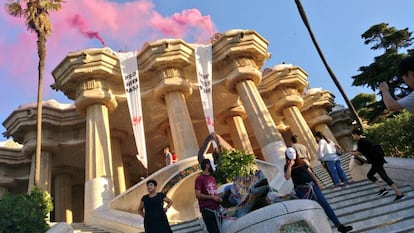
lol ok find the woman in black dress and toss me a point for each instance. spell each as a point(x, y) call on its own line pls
point(152, 209)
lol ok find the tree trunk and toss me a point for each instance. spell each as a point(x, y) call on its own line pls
point(328, 68)
point(41, 50)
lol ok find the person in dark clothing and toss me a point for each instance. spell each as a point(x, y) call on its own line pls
point(206, 194)
point(307, 185)
point(152, 209)
point(375, 157)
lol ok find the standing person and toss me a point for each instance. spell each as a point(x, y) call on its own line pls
point(327, 153)
point(375, 157)
point(206, 194)
point(301, 149)
point(307, 186)
point(406, 72)
point(152, 209)
point(168, 156)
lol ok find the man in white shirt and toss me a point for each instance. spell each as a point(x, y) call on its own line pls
point(406, 71)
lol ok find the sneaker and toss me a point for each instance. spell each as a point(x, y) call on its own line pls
point(344, 229)
point(400, 197)
point(382, 192)
point(336, 187)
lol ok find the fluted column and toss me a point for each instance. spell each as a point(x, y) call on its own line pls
point(90, 77)
point(269, 139)
point(170, 64)
point(96, 101)
point(118, 166)
point(174, 91)
point(63, 195)
point(233, 118)
point(46, 162)
point(315, 111)
point(282, 89)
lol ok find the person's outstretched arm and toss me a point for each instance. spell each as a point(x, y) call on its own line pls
point(389, 101)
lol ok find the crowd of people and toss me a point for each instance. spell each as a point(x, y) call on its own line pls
point(153, 206)
point(297, 167)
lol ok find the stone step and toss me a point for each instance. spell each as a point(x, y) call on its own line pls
point(82, 228)
point(192, 226)
point(359, 205)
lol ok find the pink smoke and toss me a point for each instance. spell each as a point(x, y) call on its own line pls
point(80, 23)
point(123, 25)
point(187, 22)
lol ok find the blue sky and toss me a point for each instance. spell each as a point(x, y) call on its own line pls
point(337, 25)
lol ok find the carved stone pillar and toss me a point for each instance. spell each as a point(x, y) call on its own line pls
point(168, 62)
point(233, 118)
point(89, 77)
point(48, 148)
point(282, 89)
point(315, 111)
point(118, 166)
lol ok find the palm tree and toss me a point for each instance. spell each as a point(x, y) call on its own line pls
point(328, 68)
point(36, 13)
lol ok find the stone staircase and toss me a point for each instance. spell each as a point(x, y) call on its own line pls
point(356, 204)
point(359, 205)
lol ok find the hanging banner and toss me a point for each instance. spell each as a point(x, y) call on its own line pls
point(203, 60)
point(129, 70)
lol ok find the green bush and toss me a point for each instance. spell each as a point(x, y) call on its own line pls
point(25, 213)
point(396, 135)
point(232, 164)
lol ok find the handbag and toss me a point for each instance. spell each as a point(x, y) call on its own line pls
point(360, 160)
point(339, 150)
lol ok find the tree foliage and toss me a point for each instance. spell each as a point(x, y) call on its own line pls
point(233, 163)
point(396, 45)
point(25, 213)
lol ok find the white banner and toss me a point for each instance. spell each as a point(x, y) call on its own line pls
point(203, 59)
point(129, 69)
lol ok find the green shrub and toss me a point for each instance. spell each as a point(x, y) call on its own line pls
point(25, 213)
point(232, 164)
point(396, 135)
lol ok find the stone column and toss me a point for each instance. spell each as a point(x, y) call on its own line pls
point(238, 56)
point(233, 118)
point(174, 91)
point(170, 64)
point(315, 111)
point(267, 135)
point(96, 101)
point(282, 89)
point(63, 195)
point(48, 148)
point(90, 77)
point(118, 166)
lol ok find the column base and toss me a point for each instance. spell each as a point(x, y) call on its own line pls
point(98, 192)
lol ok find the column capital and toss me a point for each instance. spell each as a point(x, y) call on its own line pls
point(283, 86)
point(238, 56)
point(90, 77)
point(317, 103)
point(95, 92)
point(47, 146)
point(172, 80)
point(232, 112)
